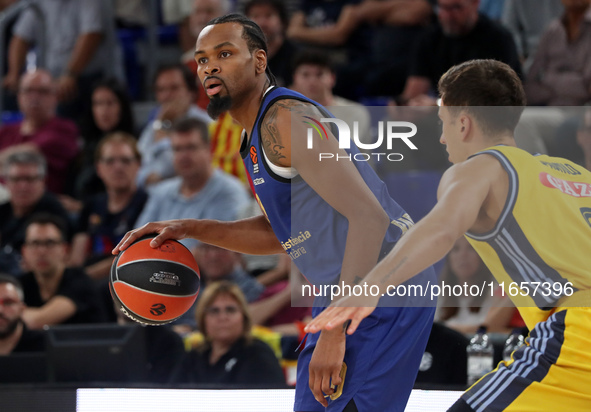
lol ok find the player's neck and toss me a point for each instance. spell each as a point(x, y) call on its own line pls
point(483, 143)
point(245, 112)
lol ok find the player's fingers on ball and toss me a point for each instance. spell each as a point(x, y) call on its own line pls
point(123, 243)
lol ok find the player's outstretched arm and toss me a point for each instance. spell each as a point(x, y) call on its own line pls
point(253, 236)
point(462, 192)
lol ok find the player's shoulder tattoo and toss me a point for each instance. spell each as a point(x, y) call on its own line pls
point(273, 139)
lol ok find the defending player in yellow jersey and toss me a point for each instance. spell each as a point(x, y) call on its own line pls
point(529, 218)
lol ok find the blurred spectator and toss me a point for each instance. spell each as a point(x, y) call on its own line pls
point(202, 12)
point(527, 20)
point(396, 26)
point(269, 294)
point(41, 130)
point(560, 74)
point(175, 88)
point(199, 191)
point(14, 334)
point(131, 13)
point(271, 16)
point(463, 267)
point(217, 264)
point(462, 34)
point(110, 112)
point(178, 12)
point(493, 9)
point(333, 26)
point(81, 47)
point(107, 216)
point(24, 173)
point(53, 293)
point(314, 77)
point(229, 355)
point(9, 99)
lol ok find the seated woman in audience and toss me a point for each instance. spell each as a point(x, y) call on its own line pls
point(229, 355)
point(110, 112)
point(463, 267)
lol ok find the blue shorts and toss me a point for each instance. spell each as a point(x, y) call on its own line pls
point(382, 357)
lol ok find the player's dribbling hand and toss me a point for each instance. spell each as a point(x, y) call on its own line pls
point(167, 229)
point(326, 363)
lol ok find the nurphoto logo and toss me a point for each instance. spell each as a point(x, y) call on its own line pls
point(389, 131)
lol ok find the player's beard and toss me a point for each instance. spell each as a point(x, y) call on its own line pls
point(9, 330)
point(218, 105)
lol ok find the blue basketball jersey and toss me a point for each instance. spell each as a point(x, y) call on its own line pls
point(309, 229)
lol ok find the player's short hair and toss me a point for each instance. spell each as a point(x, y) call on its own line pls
point(251, 32)
point(210, 294)
point(189, 124)
point(117, 137)
point(26, 157)
point(9, 279)
point(476, 85)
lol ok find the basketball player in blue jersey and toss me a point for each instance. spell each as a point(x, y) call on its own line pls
point(335, 219)
point(529, 218)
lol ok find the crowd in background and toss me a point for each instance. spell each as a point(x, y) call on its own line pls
point(81, 165)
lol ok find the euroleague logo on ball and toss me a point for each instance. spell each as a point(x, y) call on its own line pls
point(167, 247)
point(158, 309)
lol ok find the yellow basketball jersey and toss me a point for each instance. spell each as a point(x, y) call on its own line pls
point(540, 248)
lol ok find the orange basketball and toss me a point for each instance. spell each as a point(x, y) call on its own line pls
point(154, 286)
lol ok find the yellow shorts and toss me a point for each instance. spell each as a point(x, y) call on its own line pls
point(552, 372)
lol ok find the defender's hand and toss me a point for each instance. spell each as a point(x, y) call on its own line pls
point(353, 308)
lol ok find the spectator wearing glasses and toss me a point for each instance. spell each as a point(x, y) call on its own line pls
point(24, 173)
point(198, 190)
point(107, 216)
point(14, 335)
point(41, 129)
point(229, 355)
point(55, 294)
point(175, 89)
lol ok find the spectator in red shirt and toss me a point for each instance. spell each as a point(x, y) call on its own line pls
point(40, 129)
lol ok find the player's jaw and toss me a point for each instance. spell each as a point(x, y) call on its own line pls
point(220, 100)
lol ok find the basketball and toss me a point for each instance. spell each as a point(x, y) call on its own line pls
point(154, 286)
